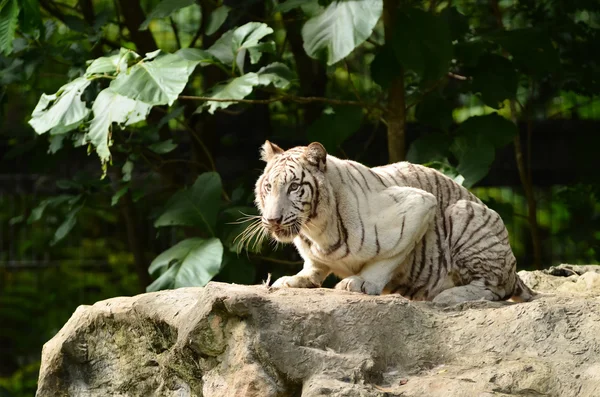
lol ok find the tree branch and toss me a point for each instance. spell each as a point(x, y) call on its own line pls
point(290, 98)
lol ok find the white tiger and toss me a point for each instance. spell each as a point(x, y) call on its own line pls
point(400, 228)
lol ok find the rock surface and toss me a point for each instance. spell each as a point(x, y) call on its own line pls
point(229, 340)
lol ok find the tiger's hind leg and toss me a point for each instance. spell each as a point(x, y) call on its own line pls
point(470, 292)
point(482, 263)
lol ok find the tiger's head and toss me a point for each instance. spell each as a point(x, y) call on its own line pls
point(290, 188)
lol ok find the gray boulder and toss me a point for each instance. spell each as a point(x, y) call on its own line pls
point(231, 340)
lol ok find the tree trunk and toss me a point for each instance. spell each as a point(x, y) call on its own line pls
point(396, 119)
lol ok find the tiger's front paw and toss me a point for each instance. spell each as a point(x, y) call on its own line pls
point(294, 282)
point(359, 284)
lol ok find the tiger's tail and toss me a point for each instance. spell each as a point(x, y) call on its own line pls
point(521, 292)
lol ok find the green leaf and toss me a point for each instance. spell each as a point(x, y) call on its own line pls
point(127, 170)
point(222, 48)
point(333, 129)
point(165, 280)
point(531, 48)
point(38, 212)
point(247, 37)
point(156, 82)
point(475, 157)
point(63, 109)
point(9, 13)
point(233, 44)
point(493, 128)
point(216, 19)
point(277, 74)
point(385, 67)
point(428, 148)
point(164, 9)
point(196, 260)
point(117, 196)
point(196, 55)
point(201, 264)
point(196, 206)
point(340, 28)
point(496, 79)
point(110, 107)
point(237, 88)
point(421, 42)
point(435, 111)
point(476, 142)
point(163, 147)
point(67, 225)
point(56, 143)
point(112, 64)
point(457, 22)
point(31, 18)
point(289, 5)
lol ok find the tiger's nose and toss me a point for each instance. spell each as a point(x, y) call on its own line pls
point(274, 221)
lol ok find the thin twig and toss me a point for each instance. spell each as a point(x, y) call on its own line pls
point(457, 76)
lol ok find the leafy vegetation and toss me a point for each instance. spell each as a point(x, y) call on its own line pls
point(141, 121)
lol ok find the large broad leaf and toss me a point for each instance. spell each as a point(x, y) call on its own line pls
point(435, 111)
point(333, 129)
point(237, 88)
point(289, 5)
point(111, 64)
point(109, 108)
point(492, 128)
point(475, 157)
point(277, 74)
point(163, 147)
point(31, 18)
point(196, 55)
point(195, 206)
point(67, 225)
point(64, 110)
point(385, 66)
point(428, 148)
point(496, 79)
point(531, 49)
point(164, 9)
point(216, 19)
point(340, 28)
point(422, 43)
point(476, 143)
point(194, 262)
point(156, 82)
point(233, 45)
point(9, 13)
point(38, 212)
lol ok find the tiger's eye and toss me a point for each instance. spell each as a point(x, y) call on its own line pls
point(267, 187)
point(294, 186)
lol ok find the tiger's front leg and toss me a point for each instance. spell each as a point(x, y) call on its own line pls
point(312, 275)
point(407, 216)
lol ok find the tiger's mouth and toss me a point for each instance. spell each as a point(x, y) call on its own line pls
point(285, 234)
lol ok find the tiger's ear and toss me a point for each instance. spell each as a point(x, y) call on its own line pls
point(269, 150)
point(316, 155)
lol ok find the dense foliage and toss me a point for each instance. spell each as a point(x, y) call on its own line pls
point(148, 116)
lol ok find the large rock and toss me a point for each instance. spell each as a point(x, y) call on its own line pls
point(231, 340)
